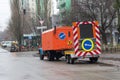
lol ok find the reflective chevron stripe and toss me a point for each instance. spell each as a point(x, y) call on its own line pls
point(76, 40)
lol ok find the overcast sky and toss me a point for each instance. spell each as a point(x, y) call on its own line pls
point(4, 13)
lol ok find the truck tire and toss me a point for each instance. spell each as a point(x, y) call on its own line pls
point(58, 55)
point(41, 57)
point(70, 60)
point(50, 56)
point(57, 58)
point(93, 59)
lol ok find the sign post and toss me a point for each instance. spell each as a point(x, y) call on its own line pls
point(41, 28)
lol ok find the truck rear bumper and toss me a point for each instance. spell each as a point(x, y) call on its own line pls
point(84, 55)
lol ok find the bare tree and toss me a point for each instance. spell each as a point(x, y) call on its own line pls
point(49, 4)
point(90, 10)
point(15, 25)
point(102, 10)
point(44, 11)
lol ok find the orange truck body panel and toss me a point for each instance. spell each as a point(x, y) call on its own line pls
point(61, 39)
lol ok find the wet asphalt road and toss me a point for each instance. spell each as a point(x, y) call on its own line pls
point(16, 67)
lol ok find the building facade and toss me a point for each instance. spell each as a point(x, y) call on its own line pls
point(64, 7)
point(28, 7)
point(44, 11)
point(32, 8)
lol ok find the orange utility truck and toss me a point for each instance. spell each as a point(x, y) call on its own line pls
point(82, 40)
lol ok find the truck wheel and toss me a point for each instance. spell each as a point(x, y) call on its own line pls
point(41, 57)
point(50, 56)
point(69, 60)
point(93, 59)
point(57, 58)
point(58, 55)
point(72, 61)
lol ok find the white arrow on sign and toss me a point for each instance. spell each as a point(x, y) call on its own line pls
point(41, 22)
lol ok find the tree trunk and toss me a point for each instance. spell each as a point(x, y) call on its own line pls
point(104, 41)
point(104, 38)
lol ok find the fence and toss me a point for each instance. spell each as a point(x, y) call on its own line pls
point(111, 49)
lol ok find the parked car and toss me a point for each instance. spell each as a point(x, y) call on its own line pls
point(6, 44)
point(1, 43)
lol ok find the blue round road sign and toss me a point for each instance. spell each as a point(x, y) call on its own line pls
point(87, 44)
point(62, 36)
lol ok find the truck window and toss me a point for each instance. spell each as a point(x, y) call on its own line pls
point(86, 31)
point(69, 34)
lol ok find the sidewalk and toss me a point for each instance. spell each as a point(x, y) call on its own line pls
point(26, 54)
point(111, 56)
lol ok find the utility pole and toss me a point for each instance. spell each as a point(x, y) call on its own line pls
point(118, 13)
